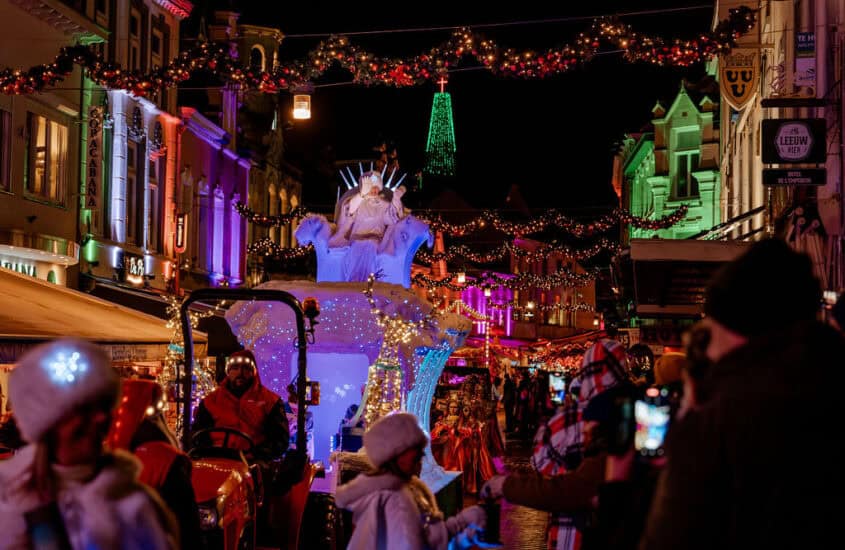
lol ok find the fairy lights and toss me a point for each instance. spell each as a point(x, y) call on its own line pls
point(463, 47)
point(516, 306)
point(551, 218)
point(270, 221)
point(384, 378)
point(510, 248)
point(268, 247)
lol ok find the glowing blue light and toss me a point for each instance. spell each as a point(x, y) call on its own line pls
point(63, 368)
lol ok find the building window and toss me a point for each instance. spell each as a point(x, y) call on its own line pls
point(235, 247)
point(256, 58)
point(156, 43)
point(131, 189)
point(5, 149)
point(51, 277)
point(219, 233)
point(685, 185)
point(135, 39)
point(46, 172)
point(154, 205)
point(101, 12)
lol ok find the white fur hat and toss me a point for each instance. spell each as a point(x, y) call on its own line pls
point(54, 378)
point(391, 435)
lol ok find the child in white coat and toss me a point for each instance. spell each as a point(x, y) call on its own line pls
point(392, 508)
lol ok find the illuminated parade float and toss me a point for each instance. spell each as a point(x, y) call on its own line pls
point(378, 344)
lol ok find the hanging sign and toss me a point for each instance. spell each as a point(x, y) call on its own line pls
point(94, 158)
point(181, 228)
point(792, 140)
point(134, 268)
point(805, 59)
point(795, 176)
point(739, 72)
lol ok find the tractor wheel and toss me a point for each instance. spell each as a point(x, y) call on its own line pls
point(321, 523)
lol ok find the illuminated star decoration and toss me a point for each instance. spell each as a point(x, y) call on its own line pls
point(64, 368)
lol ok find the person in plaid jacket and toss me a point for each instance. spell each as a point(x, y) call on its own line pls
point(569, 468)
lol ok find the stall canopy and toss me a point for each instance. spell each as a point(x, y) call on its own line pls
point(670, 276)
point(33, 311)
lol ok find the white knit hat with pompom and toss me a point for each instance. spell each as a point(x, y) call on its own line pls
point(391, 435)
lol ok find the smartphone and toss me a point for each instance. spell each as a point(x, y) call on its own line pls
point(557, 388)
point(651, 415)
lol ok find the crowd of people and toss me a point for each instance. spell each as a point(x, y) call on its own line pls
point(750, 442)
point(748, 411)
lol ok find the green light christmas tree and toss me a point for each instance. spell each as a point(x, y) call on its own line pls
point(440, 149)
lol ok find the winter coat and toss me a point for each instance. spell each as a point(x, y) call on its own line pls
point(259, 413)
point(758, 465)
point(111, 511)
point(391, 513)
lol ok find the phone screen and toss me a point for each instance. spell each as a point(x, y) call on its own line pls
point(557, 387)
point(652, 420)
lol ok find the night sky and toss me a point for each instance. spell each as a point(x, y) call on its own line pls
point(551, 137)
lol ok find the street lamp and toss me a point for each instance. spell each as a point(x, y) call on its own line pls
point(302, 101)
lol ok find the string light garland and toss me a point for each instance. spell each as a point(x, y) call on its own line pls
point(605, 34)
point(267, 247)
point(205, 376)
point(563, 278)
point(552, 218)
point(515, 306)
point(384, 377)
point(264, 220)
point(510, 248)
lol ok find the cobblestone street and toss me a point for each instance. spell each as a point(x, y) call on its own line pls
point(521, 528)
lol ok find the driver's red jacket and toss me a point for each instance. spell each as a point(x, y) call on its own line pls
point(258, 413)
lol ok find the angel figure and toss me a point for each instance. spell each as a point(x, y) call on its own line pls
point(364, 215)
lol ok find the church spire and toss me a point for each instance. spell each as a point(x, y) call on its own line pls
point(440, 149)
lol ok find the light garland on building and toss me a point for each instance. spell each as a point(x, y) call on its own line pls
point(464, 45)
point(516, 306)
point(169, 375)
point(270, 221)
point(551, 218)
point(268, 247)
point(544, 252)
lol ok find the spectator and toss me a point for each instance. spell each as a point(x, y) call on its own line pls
point(391, 507)
point(838, 313)
point(733, 473)
point(140, 428)
point(571, 457)
point(509, 401)
point(63, 486)
point(641, 364)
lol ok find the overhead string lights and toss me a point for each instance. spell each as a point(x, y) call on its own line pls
point(463, 47)
point(510, 248)
point(519, 308)
point(268, 247)
point(551, 218)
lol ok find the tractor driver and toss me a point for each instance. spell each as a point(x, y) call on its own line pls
point(241, 402)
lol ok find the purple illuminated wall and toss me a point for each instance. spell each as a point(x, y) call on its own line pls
point(474, 298)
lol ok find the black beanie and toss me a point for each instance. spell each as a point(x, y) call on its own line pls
point(770, 286)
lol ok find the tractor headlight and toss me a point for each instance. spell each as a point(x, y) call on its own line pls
point(208, 515)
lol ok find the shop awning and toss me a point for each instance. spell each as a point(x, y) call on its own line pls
point(33, 311)
point(670, 276)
